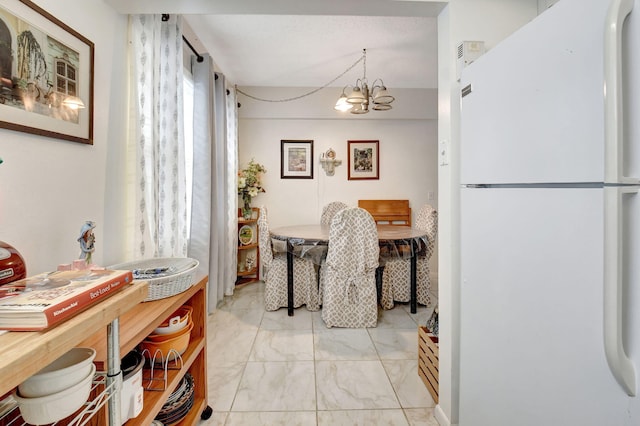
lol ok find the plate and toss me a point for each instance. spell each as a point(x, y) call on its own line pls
point(245, 235)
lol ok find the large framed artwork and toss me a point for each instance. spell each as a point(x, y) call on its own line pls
point(296, 159)
point(363, 160)
point(46, 74)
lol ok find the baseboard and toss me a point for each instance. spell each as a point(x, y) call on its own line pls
point(441, 417)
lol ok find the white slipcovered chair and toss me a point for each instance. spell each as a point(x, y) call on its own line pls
point(349, 288)
point(330, 210)
point(274, 274)
point(396, 277)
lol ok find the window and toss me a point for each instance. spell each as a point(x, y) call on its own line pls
point(66, 81)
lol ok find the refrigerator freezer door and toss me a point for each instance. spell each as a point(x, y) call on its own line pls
point(532, 346)
point(535, 112)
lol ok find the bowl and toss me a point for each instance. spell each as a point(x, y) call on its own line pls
point(66, 371)
point(165, 337)
point(164, 350)
point(51, 408)
point(177, 321)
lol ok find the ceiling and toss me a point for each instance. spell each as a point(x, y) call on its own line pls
point(308, 43)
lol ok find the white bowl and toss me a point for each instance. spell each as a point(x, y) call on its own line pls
point(51, 408)
point(176, 322)
point(66, 371)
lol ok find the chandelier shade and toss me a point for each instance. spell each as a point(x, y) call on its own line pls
point(360, 96)
point(342, 104)
point(381, 107)
point(360, 109)
point(380, 95)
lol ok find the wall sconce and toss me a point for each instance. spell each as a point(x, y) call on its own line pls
point(328, 162)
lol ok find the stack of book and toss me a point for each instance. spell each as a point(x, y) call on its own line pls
point(42, 301)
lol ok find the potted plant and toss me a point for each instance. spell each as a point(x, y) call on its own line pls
point(250, 185)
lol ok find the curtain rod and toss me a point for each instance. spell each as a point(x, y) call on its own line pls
point(198, 56)
point(165, 18)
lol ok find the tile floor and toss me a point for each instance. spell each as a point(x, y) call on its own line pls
point(266, 368)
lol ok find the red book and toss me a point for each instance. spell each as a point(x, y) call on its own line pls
point(39, 302)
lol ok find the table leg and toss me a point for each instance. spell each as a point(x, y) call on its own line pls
point(379, 272)
point(289, 278)
point(414, 286)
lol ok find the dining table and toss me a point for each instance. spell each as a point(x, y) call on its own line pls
point(312, 241)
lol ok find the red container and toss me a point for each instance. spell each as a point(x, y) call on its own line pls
point(12, 266)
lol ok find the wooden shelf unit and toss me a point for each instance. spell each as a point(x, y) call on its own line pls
point(138, 323)
point(428, 360)
point(252, 275)
point(24, 353)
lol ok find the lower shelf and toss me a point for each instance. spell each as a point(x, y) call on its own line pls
point(154, 400)
point(99, 396)
point(138, 323)
point(247, 280)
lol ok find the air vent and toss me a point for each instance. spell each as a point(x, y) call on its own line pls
point(468, 51)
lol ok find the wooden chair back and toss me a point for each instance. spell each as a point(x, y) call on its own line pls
point(388, 212)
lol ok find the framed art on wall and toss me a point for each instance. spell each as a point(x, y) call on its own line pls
point(46, 74)
point(363, 160)
point(296, 160)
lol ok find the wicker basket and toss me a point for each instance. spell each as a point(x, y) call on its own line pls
point(174, 275)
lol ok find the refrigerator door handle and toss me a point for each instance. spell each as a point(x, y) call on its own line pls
point(613, 114)
point(621, 366)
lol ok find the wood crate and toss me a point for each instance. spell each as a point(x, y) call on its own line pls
point(428, 360)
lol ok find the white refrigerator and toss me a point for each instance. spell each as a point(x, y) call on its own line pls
point(550, 222)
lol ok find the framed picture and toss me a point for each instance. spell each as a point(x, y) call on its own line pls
point(363, 160)
point(46, 74)
point(296, 159)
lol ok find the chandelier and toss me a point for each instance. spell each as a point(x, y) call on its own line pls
point(361, 96)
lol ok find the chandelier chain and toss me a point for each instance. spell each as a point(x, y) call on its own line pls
point(364, 65)
point(362, 58)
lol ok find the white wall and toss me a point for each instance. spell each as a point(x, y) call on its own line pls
point(408, 151)
point(407, 164)
point(49, 187)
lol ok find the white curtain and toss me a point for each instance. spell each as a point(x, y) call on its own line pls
point(231, 190)
point(160, 227)
point(214, 219)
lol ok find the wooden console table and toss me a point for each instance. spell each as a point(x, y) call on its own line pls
point(24, 353)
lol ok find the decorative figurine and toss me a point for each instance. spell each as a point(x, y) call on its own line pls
point(250, 261)
point(87, 241)
point(329, 162)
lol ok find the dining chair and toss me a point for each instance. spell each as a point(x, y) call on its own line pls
point(330, 210)
point(396, 275)
point(349, 291)
point(388, 212)
point(274, 274)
